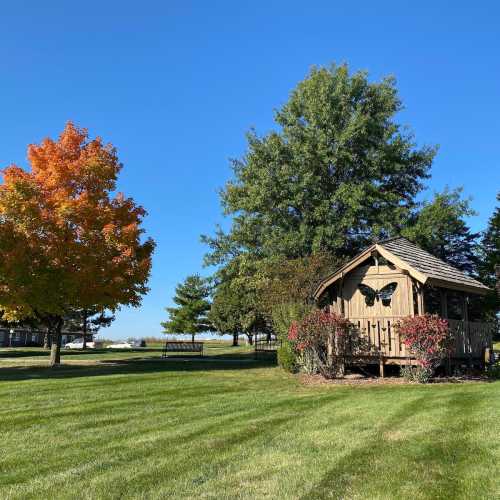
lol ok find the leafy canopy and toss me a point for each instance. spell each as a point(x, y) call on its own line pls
point(66, 242)
point(337, 171)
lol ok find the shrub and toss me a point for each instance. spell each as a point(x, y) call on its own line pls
point(493, 371)
point(287, 358)
point(416, 374)
point(321, 341)
point(282, 316)
point(429, 340)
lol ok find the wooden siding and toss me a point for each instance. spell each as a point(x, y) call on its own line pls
point(376, 277)
point(381, 336)
point(470, 338)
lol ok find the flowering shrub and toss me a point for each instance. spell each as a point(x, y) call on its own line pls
point(428, 338)
point(321, 340)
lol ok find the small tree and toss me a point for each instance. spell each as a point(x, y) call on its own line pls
point(191, 315)
point(429, 340)
point(88, 321)
point(322, 340)
point(67, 241)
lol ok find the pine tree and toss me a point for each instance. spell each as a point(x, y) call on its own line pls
point(191, 316)
point(440, 227)
point(490, 262)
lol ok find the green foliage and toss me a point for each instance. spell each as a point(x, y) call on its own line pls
point(191, 315)
point(337, 171)
point(440, 227)
point(493, 371)
point(490, 260)
point(287, 358)
point(283, 315)
point(88, 320)
point(284, 282)
point(235, 307)
point(418, 374)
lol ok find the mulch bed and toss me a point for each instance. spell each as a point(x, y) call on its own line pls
point(357, 379)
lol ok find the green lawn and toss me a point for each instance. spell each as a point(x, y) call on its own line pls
point(129, 425)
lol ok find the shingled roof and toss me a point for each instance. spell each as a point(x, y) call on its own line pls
point(421, 265)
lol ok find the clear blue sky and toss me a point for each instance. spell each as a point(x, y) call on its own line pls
point(175, 85)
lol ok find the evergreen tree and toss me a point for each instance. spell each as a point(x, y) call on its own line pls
point(490, 262)
point(190, 317)
point(440, 227)
point(88, 322)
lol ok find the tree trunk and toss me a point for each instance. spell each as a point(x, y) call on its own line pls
point(55, 351)
point(192, 337)
point(46, 339)
point(235, 340)
point(84, 344)
point(250, 338)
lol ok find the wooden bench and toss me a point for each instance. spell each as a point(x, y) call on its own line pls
point(179, 346)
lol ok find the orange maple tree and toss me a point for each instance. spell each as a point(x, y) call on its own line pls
point(66, 242)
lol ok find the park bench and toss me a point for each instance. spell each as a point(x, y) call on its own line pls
point(175, 346)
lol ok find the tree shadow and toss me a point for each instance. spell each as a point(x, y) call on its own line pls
point(16, 352)
point(137, 365)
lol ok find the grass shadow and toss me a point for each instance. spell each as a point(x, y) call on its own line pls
point(137, 365)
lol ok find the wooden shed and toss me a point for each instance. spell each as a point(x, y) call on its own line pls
point(395, 278)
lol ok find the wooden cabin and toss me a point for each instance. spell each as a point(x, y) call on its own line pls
point(395, 278)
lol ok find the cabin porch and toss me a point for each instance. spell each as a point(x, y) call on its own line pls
point(383, 345)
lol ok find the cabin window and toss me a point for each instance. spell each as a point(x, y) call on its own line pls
point(455, 303)
point(475, 307)
point(432, 300)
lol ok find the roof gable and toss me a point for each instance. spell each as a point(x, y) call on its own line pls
point(420, 264)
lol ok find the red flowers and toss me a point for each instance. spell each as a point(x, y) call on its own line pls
point(316, 327)
point(428, 338)
point(321, 340)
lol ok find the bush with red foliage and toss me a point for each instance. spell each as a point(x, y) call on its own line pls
point(428, 338)
point(321, 340)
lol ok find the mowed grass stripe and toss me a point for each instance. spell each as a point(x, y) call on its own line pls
point(196, 429)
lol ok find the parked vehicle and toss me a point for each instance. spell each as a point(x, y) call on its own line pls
point(120, 345)
point(78, 344)
point(129, 344)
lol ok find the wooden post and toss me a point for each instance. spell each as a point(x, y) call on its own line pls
point(465, 316)
point(444, 303)
point(382, 367)
point(420, 299)
point(341, 296)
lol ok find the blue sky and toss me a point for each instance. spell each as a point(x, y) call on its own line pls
point(174, 85)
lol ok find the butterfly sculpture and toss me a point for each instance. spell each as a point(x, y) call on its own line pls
point(384, 294)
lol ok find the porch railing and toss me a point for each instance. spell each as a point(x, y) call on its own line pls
point(470, 337)
point(381, 336)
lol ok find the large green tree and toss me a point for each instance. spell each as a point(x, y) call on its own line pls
point(440, 227)
point(190, 317)
point(337, 171)
point(490, 261)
